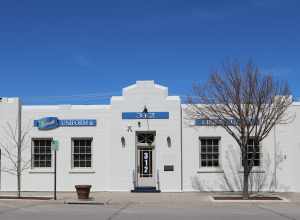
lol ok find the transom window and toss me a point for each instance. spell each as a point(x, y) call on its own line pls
point(253, 153)
point(41, 152)
point(81, 152)
point(145, 138)
point(209, 152)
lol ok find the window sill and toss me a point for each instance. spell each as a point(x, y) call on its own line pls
point(210, 170)
point(82, 171)
point(254, 170)
point(37, 170)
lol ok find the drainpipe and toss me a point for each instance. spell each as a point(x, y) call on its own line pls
point(181, 173)
point(275, 159)
point(19, 147)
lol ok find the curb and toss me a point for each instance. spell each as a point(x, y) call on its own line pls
point(84, 203)
point(283, 200)
point(90, 201)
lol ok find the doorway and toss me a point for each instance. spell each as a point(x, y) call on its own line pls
point(145, 159)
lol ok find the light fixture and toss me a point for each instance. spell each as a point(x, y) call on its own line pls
point(169, 141)
point(129, 128)
point(123, 141)
point(145, 110)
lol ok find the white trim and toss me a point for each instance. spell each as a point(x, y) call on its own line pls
point(82, 171)
point(210, 170)
point(60, 107)
point(254, 170)
point(41, 170)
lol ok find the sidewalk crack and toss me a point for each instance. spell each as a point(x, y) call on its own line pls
point(276, 212)
point(118, 212)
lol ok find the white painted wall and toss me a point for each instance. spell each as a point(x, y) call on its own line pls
point(41, 179)
point(113, 165)
point(8, 116)
point(288, 147)
point(156, 99)
point(282, 145)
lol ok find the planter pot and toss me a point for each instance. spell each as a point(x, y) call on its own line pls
point(83, 191)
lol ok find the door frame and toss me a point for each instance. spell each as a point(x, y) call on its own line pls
point(141, 146)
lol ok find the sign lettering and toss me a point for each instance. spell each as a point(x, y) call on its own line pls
point(142, 115)
point(49, 123)
point(146, 163)
point(218, 122)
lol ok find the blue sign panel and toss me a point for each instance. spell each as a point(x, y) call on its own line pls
point(211, 122)
point(141, 115)
point(49, 123)
point(46, 123)
point(77, 122)
point(218, 122)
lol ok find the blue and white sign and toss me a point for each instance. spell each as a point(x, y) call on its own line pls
point(213, 122)
point(218, 122)
point(49, 123)
point(142, 115)
point(77, 122)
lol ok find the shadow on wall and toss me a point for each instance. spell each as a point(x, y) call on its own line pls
point(261, 179)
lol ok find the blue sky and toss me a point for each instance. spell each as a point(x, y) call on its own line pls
point(53, 50)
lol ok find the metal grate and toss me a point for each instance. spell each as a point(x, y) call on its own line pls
point(145, 138)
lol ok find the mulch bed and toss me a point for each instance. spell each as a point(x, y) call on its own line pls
point(252, 198)
point(26, 197)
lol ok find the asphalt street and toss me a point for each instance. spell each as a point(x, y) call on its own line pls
point(49, 211)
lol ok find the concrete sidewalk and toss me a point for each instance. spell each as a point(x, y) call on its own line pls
point(182, 199)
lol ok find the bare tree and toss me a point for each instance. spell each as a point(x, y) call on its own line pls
point(15, 143)
point(243, 101)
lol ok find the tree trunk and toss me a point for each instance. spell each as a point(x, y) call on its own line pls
point(246, 171)
point(19, 184)
point(246, 184)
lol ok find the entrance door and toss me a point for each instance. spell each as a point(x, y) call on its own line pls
point(145, 160)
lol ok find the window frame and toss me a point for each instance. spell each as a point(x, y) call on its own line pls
point(72, 153)
point(216, 168)
point(33, 167)
point(260, 157)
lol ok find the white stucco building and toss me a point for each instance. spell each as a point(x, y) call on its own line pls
point(117, 147)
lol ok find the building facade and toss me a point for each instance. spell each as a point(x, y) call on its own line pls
point(142, 139)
